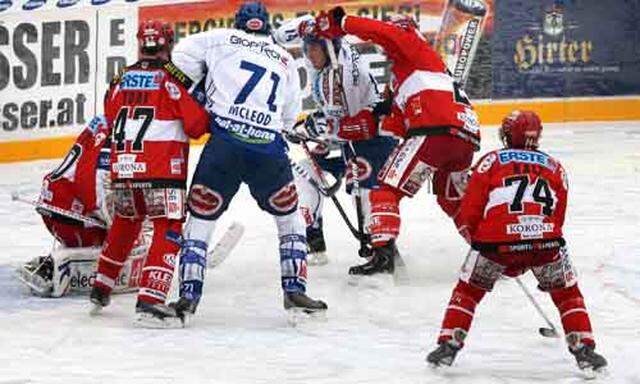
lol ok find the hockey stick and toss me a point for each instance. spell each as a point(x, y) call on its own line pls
point(323, 182)
point(549, 331)
point(62, 212)
point(365, 249)
point(227, 243)
point(328, 192)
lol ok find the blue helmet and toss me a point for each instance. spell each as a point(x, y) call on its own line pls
point(252, 17)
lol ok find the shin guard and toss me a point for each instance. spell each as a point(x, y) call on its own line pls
point(459, 313)
point(293, 252)
point(574, 316)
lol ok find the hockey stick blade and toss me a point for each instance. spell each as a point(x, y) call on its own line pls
point(225, 245)
point(548, 332)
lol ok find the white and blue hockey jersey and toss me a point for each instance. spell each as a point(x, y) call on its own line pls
point(355, 90)
point(252, 85)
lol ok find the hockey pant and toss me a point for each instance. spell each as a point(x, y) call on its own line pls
point(443, 160)
point(132, 207)
point(554, 272)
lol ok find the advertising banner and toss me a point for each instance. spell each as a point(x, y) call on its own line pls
point(47, 73)
point(566, 48)
point(203, 16)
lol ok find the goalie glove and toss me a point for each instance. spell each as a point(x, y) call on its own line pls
point(362, 126)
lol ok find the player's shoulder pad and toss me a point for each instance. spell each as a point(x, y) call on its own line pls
point(176, 74)
point(486, 162)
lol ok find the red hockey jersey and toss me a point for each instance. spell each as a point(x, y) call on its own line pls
point(74, 185)
point(515, 196)
point(427, 96)
point(152, 117)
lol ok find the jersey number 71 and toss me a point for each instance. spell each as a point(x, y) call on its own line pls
point(257, 72)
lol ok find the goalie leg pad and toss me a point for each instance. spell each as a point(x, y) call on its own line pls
point(293, 252)
point(459, 314)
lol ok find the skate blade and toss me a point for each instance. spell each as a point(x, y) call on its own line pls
point(591, 374)
point(95, 309)
point(377, 281)
point(148, 321)
point(318, 259)
point(298, 316)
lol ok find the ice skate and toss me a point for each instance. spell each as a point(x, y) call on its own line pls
point(99, 299)
point(299, 306)
point(317, 249)
point(382, 261)
point(156, 316)
point(444, 354)
point(590, 362)
point(184, 309)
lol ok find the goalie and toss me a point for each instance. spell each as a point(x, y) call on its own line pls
point(75, 208)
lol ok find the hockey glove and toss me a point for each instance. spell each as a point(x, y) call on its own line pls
point(329, 24)
point(306, 28)
point(362, 126)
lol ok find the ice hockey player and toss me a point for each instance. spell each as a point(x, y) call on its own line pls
point(76, 186)
point(349, 109)
point(253, 93)
point(512, 215)
point(430, 111)
point(151, 116)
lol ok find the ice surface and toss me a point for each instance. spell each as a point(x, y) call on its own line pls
point(373, 335)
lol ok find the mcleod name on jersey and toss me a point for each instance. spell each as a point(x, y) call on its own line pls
point(251, 83)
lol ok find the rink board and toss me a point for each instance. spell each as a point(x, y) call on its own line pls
point(490, 112)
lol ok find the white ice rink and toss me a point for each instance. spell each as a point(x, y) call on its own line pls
point(373, 335)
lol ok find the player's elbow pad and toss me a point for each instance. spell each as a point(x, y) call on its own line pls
point(362, 126)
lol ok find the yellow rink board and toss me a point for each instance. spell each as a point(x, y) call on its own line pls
point(490, 112)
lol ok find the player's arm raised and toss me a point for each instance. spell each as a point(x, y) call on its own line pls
point(397, 42)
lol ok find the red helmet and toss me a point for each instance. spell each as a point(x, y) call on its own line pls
point(154, 34)
point(521, 129)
